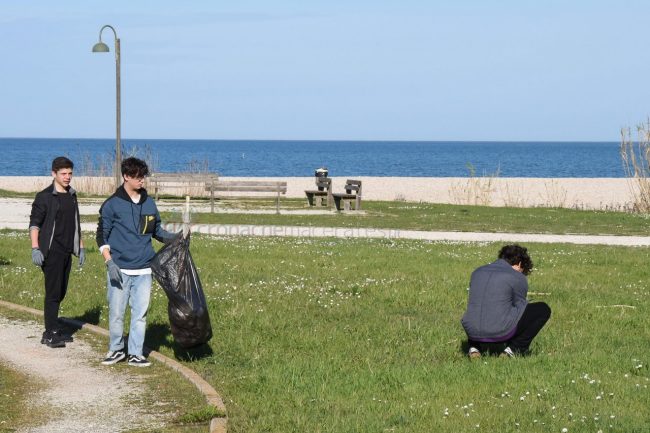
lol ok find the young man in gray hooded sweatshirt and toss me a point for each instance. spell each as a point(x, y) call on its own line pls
point(497, 308)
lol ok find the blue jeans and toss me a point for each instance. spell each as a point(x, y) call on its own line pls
point(136, 290)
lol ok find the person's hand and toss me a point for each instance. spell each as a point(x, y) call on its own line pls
point(169, 239)
point(82, 257)
point(37, 257)
point(114, 273)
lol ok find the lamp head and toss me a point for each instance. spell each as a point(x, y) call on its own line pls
point(100, 47)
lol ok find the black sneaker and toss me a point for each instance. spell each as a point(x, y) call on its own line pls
point(138, 361)
point(114, 357)
point(50, 339)
point(63, 336)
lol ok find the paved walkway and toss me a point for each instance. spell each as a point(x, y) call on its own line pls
point(342, 232)
point(14, 214)
point(78, 393)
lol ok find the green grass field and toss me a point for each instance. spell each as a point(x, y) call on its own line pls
point(335, 335)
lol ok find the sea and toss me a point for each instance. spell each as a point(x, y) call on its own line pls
point(278, 158)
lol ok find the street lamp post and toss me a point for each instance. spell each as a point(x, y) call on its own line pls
point(101, 47)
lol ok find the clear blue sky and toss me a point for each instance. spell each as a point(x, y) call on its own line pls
point(359, 70)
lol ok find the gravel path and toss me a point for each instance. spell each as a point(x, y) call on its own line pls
point(80, 394)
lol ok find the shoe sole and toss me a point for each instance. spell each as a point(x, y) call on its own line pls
point(475, 355)
point(55, 345)
point(113, 361)
point(132, 364)
point(65, 340)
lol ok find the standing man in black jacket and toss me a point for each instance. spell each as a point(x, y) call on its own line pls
point(55, 232)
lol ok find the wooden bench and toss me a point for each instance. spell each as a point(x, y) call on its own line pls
point(191, 183)
point(315, 196)
point(352, 194)
point(250, 186)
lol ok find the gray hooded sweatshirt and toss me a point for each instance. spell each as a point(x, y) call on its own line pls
point(497, 300)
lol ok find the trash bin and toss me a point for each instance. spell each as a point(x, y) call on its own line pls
point(321, 172)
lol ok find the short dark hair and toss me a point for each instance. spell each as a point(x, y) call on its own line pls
point(61, 162)
point(517, 255)
point(134, 167)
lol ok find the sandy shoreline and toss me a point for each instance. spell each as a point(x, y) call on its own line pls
point(581, 193)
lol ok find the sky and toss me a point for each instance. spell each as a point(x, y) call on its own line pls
point(327, 70)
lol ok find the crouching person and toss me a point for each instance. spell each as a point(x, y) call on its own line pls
point(127, 221)
point(497, 308)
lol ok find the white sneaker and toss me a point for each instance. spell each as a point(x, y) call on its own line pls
point(507, 352)
point(114, 357)
point(138, 361)
point(474, 353)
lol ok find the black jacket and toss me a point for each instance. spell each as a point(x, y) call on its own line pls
point(43, 218)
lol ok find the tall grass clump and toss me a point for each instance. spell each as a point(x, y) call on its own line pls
point(636, 160)
point(476, 190)
point(94, 175)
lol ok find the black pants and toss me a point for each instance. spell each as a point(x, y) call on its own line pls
point(57, 271)
point(532, 321)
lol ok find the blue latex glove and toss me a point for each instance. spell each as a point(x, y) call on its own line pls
point(37, 257)
point(114, 273)
point(82, 257)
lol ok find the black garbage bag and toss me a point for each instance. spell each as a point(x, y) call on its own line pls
point(174, 270)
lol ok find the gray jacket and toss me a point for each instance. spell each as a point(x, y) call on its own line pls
point(497, 299)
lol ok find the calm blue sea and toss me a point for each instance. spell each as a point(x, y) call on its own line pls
point(32, 156)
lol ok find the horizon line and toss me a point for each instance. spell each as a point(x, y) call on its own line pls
point(318, 140)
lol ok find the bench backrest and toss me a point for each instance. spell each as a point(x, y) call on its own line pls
point(353, 186)
point(324, 183)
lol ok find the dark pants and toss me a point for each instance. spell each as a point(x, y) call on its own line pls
point(532, 321)
point(56, 270)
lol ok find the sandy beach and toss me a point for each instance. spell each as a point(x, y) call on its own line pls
point(580, 193)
